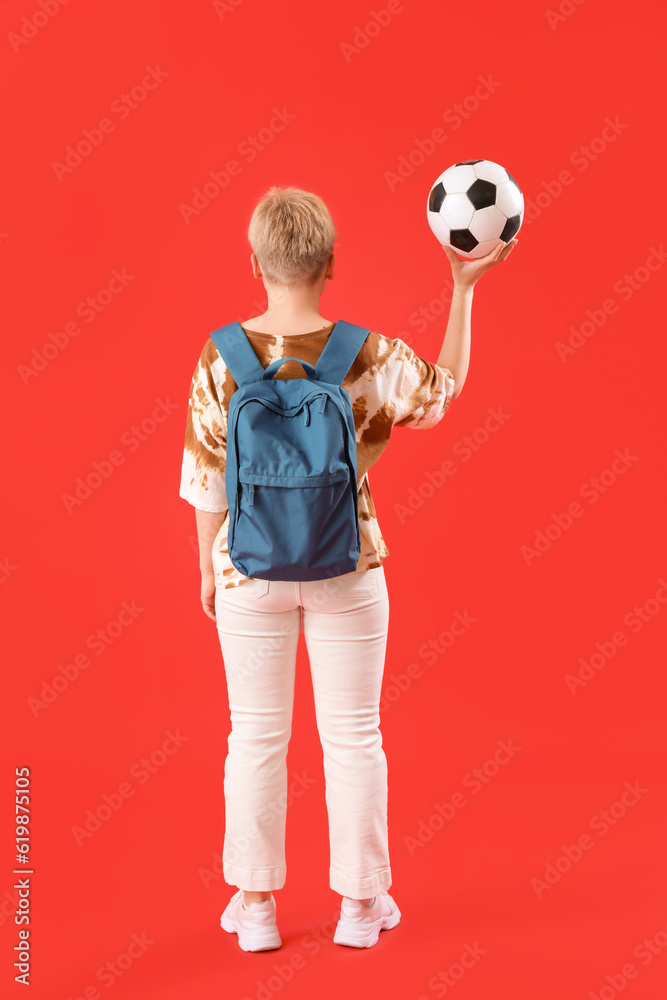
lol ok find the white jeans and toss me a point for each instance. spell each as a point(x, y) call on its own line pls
point(345, 622)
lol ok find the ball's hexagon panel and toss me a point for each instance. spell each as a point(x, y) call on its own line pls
point(509, 199)
point(457, 180)
point(439, 227)
point(482, 249)
point(487, 170)
point(487, 224)
point(457, 211)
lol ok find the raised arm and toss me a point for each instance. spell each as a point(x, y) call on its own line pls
point(455, 350)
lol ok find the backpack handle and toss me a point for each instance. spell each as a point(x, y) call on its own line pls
point(275, 365)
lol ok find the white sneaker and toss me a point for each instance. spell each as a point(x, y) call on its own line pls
point(360, 925)
point(254, 924)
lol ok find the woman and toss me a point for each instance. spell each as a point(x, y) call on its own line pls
point(345, 626)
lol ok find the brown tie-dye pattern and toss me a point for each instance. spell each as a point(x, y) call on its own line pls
point(389, 386)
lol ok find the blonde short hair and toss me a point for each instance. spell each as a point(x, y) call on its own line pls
point(292, 235)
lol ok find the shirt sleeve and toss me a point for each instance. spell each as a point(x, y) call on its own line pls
point(423, 390)
point(204, 455)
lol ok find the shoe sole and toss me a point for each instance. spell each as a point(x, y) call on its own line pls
point(252, 939)
point(366, 935)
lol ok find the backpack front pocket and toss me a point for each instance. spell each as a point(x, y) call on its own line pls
point(292, 525)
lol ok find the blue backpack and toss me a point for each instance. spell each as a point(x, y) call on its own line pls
point(291, 463)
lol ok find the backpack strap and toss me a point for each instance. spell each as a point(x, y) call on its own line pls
point(340, 351)
point(236, 351)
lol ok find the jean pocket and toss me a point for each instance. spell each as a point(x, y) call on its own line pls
point(249, 586)
point(358, 583)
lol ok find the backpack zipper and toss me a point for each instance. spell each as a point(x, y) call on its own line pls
point(323, 402)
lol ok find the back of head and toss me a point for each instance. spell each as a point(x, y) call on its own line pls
point(292, 235)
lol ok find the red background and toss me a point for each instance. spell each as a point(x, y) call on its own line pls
point(65, 575)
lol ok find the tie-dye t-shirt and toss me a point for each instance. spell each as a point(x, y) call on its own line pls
point(389, 386)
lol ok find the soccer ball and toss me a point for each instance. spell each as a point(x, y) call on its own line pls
point(473, 205)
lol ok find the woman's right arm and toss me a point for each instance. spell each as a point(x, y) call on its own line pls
point(455, 350)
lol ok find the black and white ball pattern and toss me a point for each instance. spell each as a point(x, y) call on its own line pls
point(473, 205)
